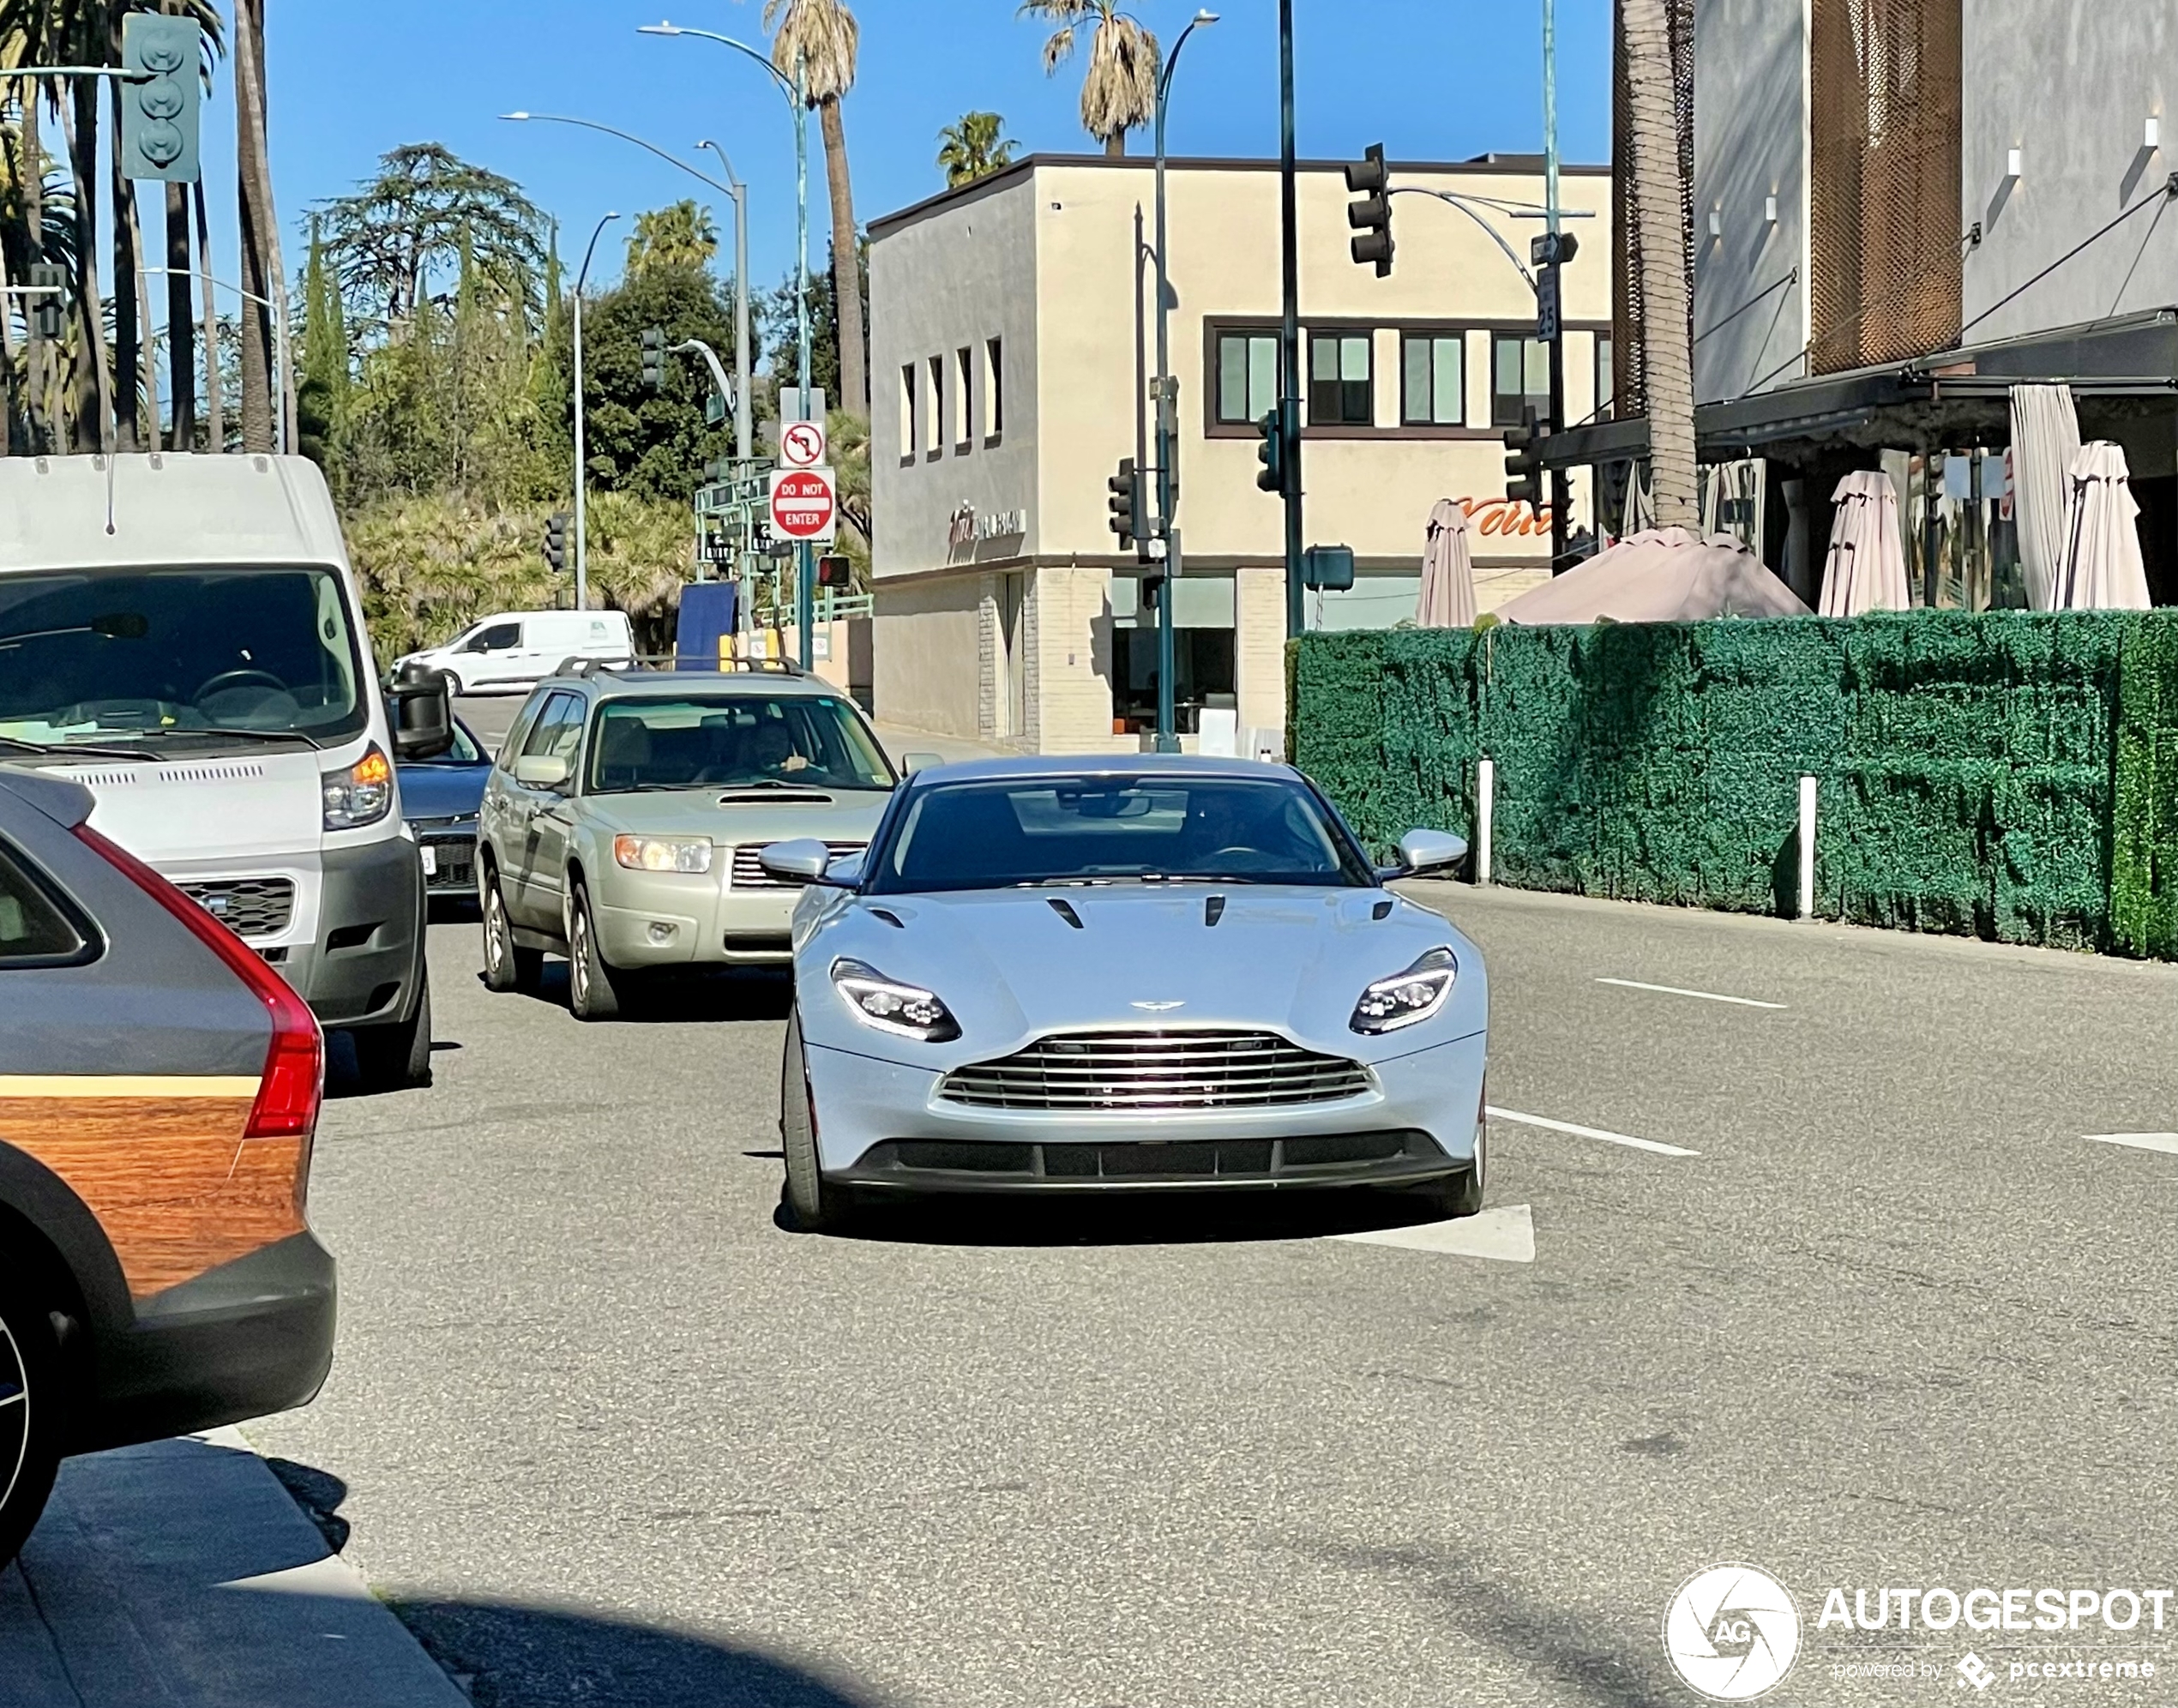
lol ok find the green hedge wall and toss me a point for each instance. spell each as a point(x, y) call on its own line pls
point(2009, 775)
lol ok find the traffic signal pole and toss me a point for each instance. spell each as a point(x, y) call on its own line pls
point(1561, 487)
point(1289, 406)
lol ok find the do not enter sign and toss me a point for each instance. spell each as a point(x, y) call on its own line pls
point(803, 505)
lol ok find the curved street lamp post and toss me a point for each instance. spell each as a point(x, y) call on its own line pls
point(582, 473)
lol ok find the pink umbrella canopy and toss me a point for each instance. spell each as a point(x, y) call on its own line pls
point(2102, 568)
point(1661, 576)
point(1865, 569)
point(1448, 599)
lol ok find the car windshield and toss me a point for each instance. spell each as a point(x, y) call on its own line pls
point(139, 655)
point(733, 741)
point(1092, 830)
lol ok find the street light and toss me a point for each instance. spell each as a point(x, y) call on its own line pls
point(738, 192)
point(1168, 739)
point(582, 473)
point(796, 89)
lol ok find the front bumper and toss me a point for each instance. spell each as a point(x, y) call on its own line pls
point(648, 919)
point(365, 964)
point(882, 1124)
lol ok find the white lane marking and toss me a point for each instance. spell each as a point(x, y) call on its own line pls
point(1673, 990)
point(2139, 1141)
point(1506, 1234)
point(1627, 1138)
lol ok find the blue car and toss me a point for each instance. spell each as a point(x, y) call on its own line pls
point(439, 798)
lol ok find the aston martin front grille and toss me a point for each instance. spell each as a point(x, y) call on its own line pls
point(249, 907)
point(749, 874)
point(1153, 1072)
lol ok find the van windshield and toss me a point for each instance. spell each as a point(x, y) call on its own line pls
point(192, 656)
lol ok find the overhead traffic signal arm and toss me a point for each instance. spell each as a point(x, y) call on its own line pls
point(1371, 216)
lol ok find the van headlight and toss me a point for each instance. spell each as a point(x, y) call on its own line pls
point(663, 853)
point(904, 1010)
point(1406, 997)
point(361, 794)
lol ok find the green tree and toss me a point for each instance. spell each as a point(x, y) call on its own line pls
point(682, 235)
point(971, 149)
point(1119, 93)
point(774, 312)
point(822, 36)
point(321, 391)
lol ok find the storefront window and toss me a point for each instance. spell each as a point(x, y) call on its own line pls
point(1434, 382)
point(1203, 674)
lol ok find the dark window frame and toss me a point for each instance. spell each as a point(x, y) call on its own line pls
point(1214, 387)
point(1499, 419)
point(1431, 337)
point(1357, 399)
point(31, 880)
point(994, 389)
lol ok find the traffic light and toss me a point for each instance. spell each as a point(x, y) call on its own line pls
point(49, 306)
point(1125, 507)
point(1371, 216)
point(158, 99)
point(654, 358)
point(1271, 453)
point(555, 539)
point(1524, 461)
point(834, 570)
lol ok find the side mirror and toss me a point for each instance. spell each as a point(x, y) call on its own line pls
point(1425, 851)
point(803, 861)
point(541, 770)
point(421, 711)
point(912, 762)
point(847, 869)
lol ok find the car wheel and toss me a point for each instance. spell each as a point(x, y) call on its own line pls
point(397, 1057)
point(30, 1422)
point(1461, 1194)
point(507, 964)
point(454, 685)
point(593, 987)
point(816, 1205)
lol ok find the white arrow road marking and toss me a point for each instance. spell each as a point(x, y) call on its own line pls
point(1506, 1234)
point(2139, 1141)
point(1579, 1132)
point(1673, 990)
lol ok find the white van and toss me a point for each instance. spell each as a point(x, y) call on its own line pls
point(517, 649)
point(182, 635)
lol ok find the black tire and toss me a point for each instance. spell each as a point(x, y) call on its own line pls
point(507, 964)
point(594, 988)
point(397, 1056)
point(1461, 1194)
point(815, 1205)
point(33, 1420)
point(453, 688)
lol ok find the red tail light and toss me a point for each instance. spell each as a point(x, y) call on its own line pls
point(293, 1080)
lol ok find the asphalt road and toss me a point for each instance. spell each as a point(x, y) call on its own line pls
point(603, 1433)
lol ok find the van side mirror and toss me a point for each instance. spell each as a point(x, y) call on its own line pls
point(421, 711)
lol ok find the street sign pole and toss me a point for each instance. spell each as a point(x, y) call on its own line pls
point(1561, 493)
point(1289, 407)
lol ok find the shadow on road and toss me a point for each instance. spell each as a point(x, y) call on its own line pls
point(678, 997)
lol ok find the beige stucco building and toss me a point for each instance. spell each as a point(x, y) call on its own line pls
point(1011, 329)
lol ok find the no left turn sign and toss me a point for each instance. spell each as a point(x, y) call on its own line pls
point(802, 444)
point(804, 505)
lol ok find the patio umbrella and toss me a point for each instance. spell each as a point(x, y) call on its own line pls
point(2045, 438)
point(1865, 569)
point(2102, 569)
point(1448, 599)
point(1663, 576)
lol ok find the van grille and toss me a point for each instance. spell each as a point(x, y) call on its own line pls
point(749, 874)
point(249, 907)
point(1151, 1072)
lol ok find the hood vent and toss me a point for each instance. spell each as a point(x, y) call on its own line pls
point(781, 797)
point(1381, 910)
point(890, 918)
point(204, 770)
point(1214, 910)
point(1064, 909)
point(108, 776)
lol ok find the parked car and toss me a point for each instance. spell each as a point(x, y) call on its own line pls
point(515, 649)
point(439, 800)
point(159, 1093)
point(200, 663)
point(1150, 973)
point(623, 820)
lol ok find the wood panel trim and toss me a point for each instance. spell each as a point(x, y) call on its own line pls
point(128, 1085)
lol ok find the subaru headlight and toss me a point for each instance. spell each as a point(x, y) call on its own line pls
point(904, 1010)
point(1406, 997)
point(360, 794)
point(663, 853)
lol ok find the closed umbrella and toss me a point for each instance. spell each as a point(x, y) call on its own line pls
point(1448, 599)
point(2102, 569)
point(2045, 438)
point(1865, 569)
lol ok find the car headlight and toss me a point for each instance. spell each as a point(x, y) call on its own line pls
point(362, 794)
point(1406, 997)
point(905, 1010)
point(663, 853)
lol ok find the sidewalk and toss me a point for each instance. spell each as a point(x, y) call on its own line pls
point(182, 1574)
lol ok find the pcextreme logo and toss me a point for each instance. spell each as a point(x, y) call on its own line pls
point(1732, 1633)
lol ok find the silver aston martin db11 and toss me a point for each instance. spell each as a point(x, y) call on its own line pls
point(1139, 973)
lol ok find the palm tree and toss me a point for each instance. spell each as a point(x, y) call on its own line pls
point(971, 149)
point(1119, 94)
point(680, 236)
point(822, 36)
point(260, 241)
point(1667, 357)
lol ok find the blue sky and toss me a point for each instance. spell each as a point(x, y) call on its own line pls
point(1430, 78)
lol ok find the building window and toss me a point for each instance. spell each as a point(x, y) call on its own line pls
point(1247, 377)
point(1340, 392)
point(962, 397)
point(1606, 385)
point(994, 389)
point(1520, 377)
point(1434, 382)
point(907, 413)
point(934, 439)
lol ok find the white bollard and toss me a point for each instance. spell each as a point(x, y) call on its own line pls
point(1485, 801)
point(1807, 848)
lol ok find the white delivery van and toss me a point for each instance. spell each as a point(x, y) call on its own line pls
point(182, 635)
point(517, 649)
